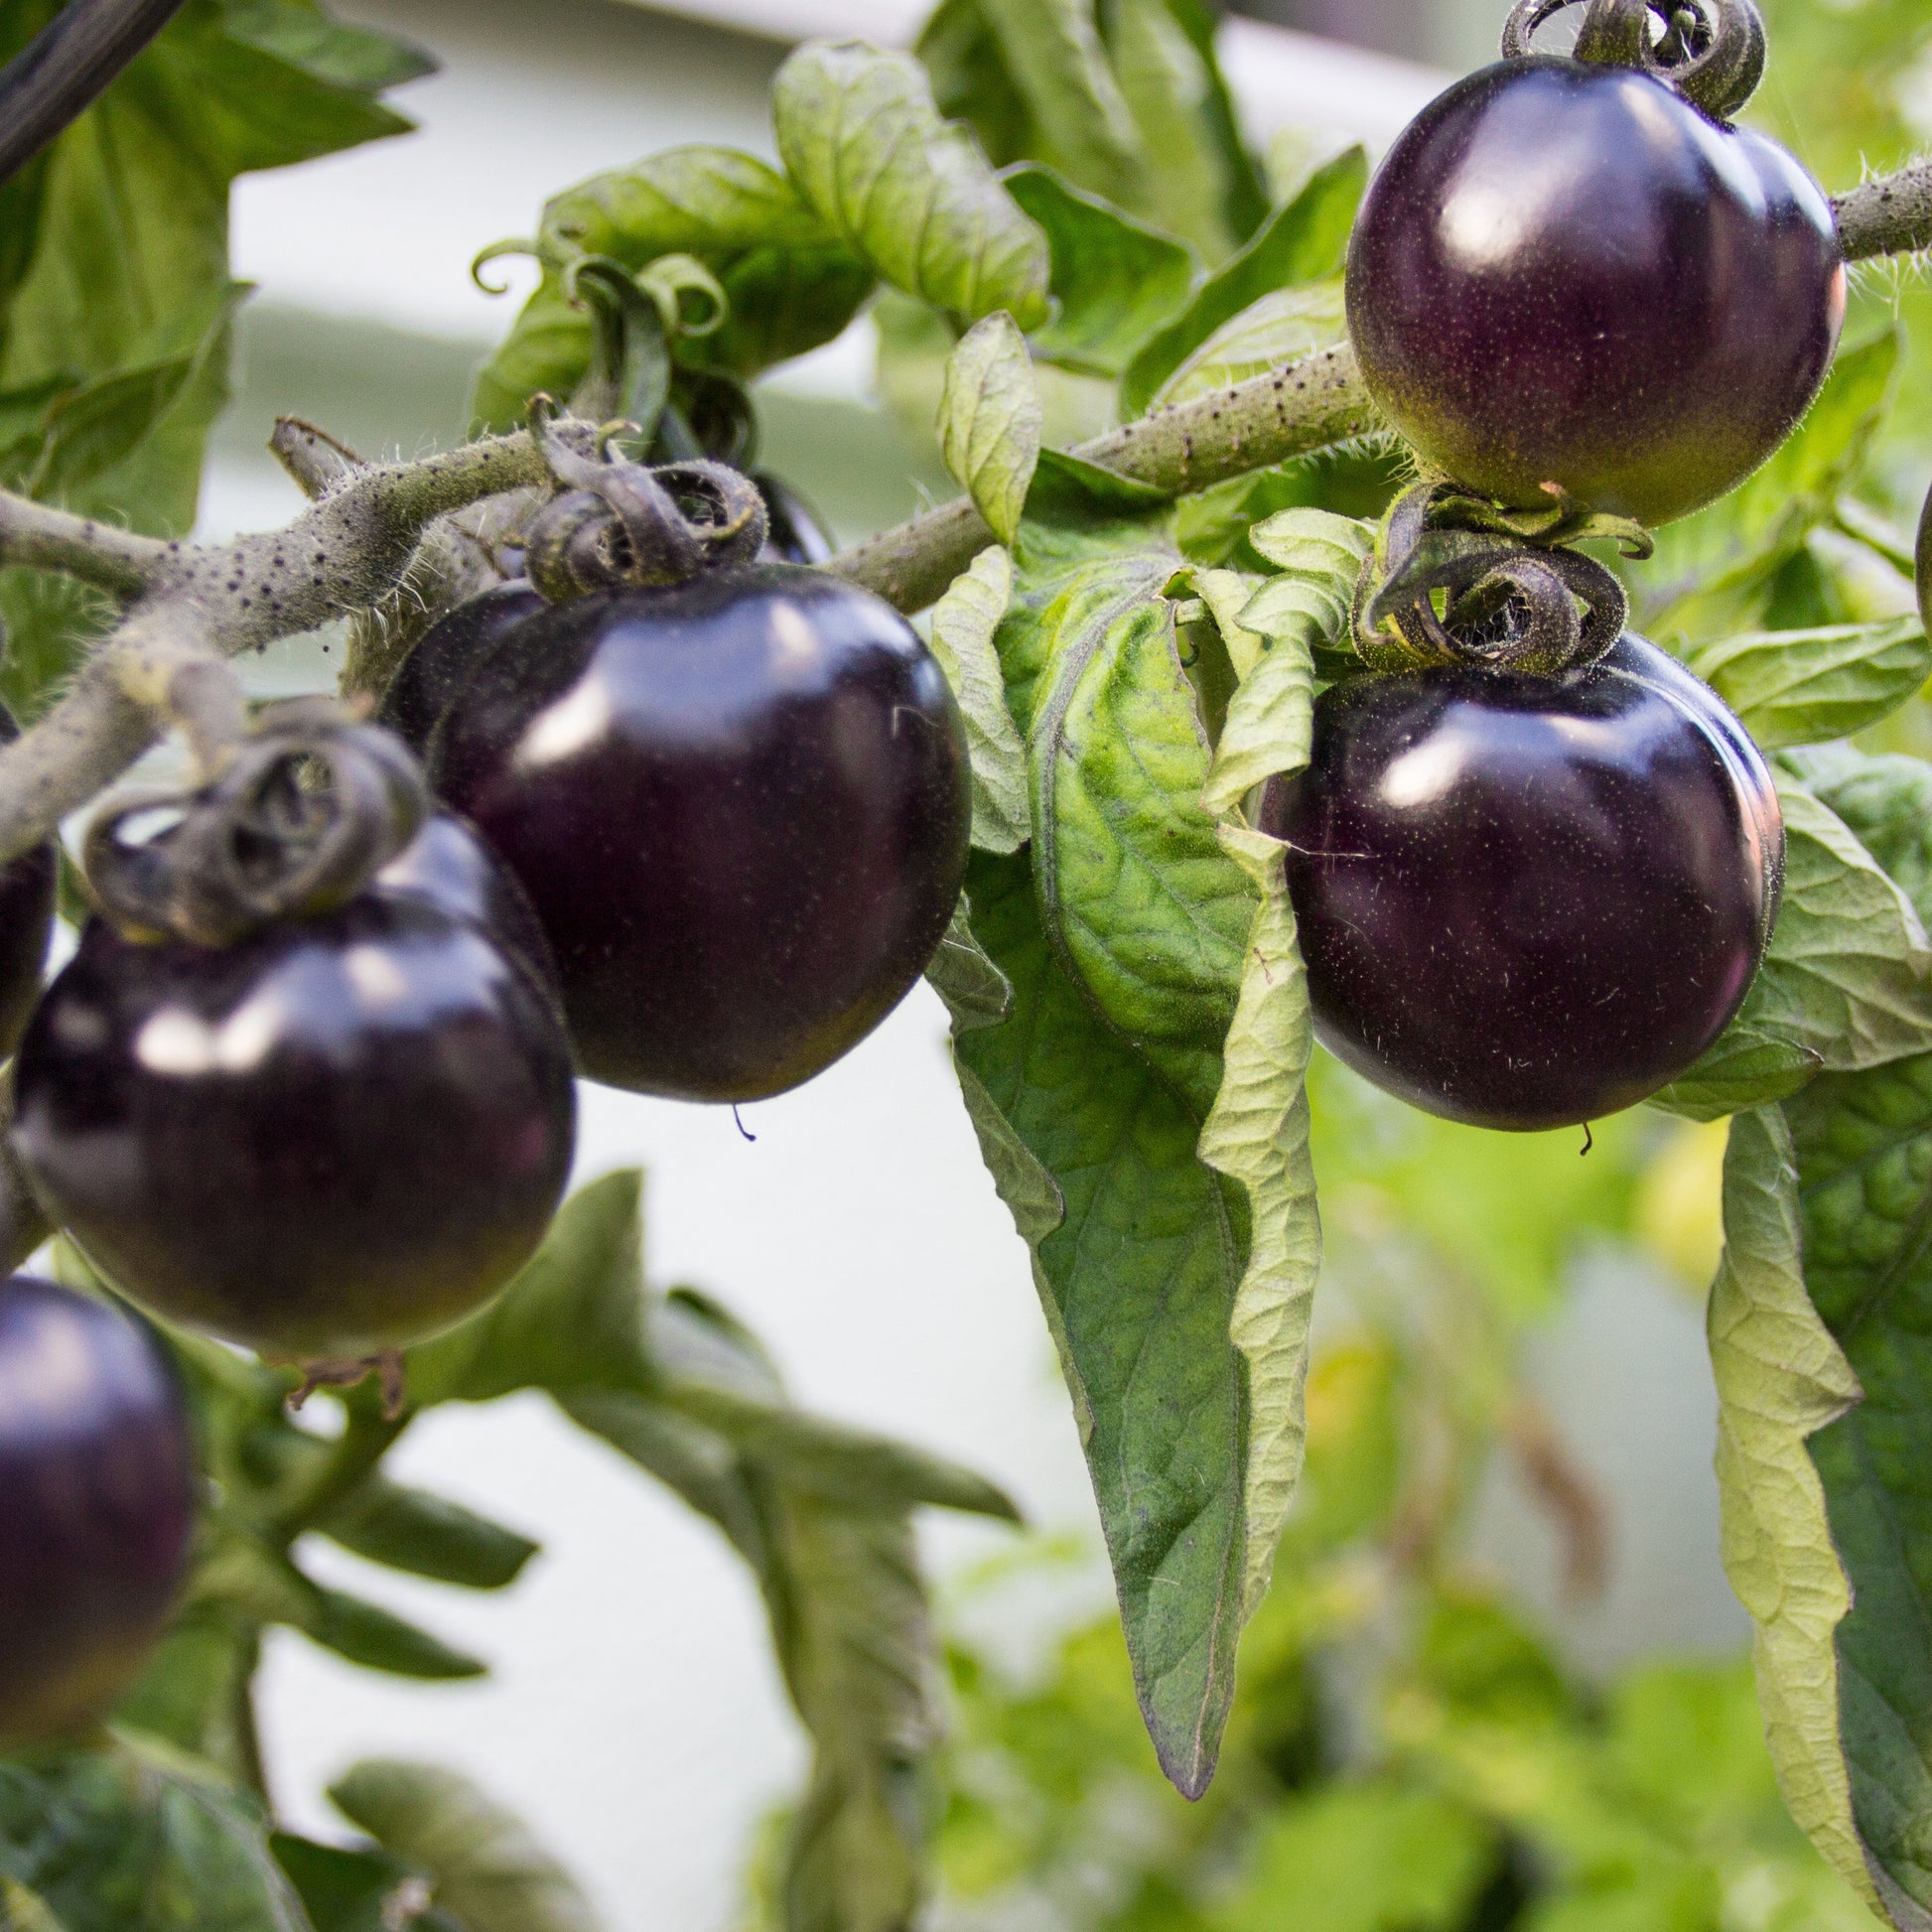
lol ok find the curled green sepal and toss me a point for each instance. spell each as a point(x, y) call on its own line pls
point(1513, 598)
point(1711, 50)
point(616, 522)
point(306, 810)
point(630, 375)
point(515, 245)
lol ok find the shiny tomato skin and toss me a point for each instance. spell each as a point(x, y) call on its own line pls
point(1528, 902)
point(97, 1494)
point(442, 657)
point(1566, 273)
point(741, 808)
point(336, 1136)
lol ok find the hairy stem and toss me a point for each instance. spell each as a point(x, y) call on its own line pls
point(44, 539)
point(67, 67)
point(194, 604)
point(1891, 216)
point(1268, 419)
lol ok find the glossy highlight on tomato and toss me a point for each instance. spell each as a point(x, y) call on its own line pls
point(1566, 273)
point(1529, 902)
point(333, 1137)
point(741, 808)
point(97, 1491)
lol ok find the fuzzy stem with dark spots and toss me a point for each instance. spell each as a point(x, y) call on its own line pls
point(1891, 216)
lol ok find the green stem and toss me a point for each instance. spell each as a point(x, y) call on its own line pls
point(367, 1437)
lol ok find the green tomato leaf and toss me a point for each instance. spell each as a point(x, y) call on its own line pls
point(1179, 107)
point(114, 284)
point(1863, 1147)
point(1805, 687)
point(22, 1910)
point(716, 204)
point(1886, 802)
point(138, 1835)
point(990, 421)
point(1076, 115)
point(486, 1867)
point(1135, 951)
point(1283, 325)
point(1114, 280)
point(1744, 1068)
point(963, 623)
point(378, 1639)
point(1781, 1378)
point(1302, 241)
point(1844, 977)
point(971, 83)
point(548, 348)
point(910, 192)
point(361, 1889)
point(572, 1319)
point(427, 1536)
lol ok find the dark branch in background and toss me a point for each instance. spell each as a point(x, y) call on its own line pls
point(1891, 216)
point(67, 68)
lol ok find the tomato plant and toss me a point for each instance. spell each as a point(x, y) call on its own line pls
point(1477, 633)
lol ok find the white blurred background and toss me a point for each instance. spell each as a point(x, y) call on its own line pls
point(634, 1714)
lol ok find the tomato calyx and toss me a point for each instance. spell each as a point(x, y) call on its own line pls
point(1512, 593)
point(304, 813)
point(617, 523)
point(1711, 52)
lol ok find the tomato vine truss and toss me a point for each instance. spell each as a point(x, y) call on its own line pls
point(187, 609)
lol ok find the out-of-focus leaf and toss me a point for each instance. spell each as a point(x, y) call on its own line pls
point(1302, 241)
point(1805, 687)
point(1077, 118)
point(971, 83)
point(22, 1910)
point(1363, 1858)
point(1781, 1378)
point(990, 421)
point(378, 1639)
point(427, 1536)
point(357, 1890)
point(913, 193)
point(548, 348)
point(1114, 280)
point(486, 1870)
point(963, 623)
point(1268, 334)
point(139, 1837)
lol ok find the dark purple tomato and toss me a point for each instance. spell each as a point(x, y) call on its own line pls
point(330, 1139)
point(97, 1489)
point(447, 863)
point(1528, 902)
point(26, 924)
point(795, 532)
point(741, 810)
point(1566, 273)
point(440, 659)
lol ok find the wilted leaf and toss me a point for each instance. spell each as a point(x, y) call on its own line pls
point(1781, 1378)
point(963, 623)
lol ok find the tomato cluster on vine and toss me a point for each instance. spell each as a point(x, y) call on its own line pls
point(674, 808)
